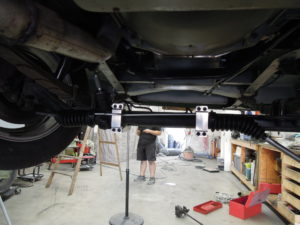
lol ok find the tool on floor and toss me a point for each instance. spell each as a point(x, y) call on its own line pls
point(101, 150)
point(77, 167)
point(3, 209)
point(211, 170)
point(225, 198)
point(127, 218)
point(181, 212)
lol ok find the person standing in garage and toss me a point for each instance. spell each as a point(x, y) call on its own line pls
point(146, 152)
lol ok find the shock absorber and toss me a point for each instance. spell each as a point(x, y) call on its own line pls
point(82, 118)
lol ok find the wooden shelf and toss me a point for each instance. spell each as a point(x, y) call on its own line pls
point(245, 144)
point(242, 177)
point(272, 200)
point(284, 211)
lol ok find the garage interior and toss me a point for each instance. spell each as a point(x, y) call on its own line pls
point(191, 170)
point(149, 112)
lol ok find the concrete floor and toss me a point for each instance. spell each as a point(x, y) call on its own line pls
point(97, 198)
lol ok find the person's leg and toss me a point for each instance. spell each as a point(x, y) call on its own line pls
point(141, 156)
point(152, 168)
point(143, 168)
point(151, 157)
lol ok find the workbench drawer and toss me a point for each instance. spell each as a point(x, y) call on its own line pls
point(292, 173)
point(291, 199)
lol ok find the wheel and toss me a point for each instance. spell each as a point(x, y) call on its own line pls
point(27, 139)
point(27, 148)
point(7, 177)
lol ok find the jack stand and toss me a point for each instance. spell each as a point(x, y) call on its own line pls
point(127, 218)
point(4, 212)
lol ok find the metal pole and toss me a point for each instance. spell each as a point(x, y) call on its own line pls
point(283, 149)
point(128, 218)
point(194, 219)
point(127, 175)
point(5, 212)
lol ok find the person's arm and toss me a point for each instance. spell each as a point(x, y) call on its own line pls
point(153, 132)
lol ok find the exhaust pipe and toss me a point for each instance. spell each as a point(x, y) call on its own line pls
point(33, 25)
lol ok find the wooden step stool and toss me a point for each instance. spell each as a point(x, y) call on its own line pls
point(101, 149)
point(77, 167)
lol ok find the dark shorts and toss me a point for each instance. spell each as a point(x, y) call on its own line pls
point(146, 151)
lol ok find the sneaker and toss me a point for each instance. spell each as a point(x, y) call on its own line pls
point(140, 179)
point(151, 181)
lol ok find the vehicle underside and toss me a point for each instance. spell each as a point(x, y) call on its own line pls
point(64, 63)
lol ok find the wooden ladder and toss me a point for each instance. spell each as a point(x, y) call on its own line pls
point(77, 167)
point(101, 149)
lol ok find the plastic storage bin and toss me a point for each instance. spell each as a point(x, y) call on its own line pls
point(207, 207)
point(248, 206)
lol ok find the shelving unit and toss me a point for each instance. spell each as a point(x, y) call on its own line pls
point(245, 145)
point(290, 190)
point(270, 169)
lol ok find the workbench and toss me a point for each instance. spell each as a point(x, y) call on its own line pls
point(272, 167)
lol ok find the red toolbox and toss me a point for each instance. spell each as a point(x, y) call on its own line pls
point(248, 206)
point(274, 188)
point(207, 207)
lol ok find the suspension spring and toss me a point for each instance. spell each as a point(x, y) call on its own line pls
point(76, 119)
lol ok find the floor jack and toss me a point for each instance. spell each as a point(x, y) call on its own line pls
point(182, 212)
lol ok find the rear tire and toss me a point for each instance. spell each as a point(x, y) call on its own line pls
point(17, 155)
point(28, 139)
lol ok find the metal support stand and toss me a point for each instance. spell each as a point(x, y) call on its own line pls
point(5, 212)
point(126, 218)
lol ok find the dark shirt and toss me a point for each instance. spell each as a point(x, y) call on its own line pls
point(147, 138)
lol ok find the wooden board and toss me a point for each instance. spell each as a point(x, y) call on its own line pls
point(287, 213)
point(291, 162)
point(270, 147)
point(288, 172)
point(291, 199)
point(272, 200)
point(245, 144)
point(291, 186)
point(268, 166)
point(243, 178)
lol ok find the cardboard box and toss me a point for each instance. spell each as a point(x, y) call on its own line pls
point(248, 206)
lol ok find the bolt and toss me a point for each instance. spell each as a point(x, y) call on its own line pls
point(204, 108)
point(120, 106)
point(113, 129)
point(198, 108)
point(198, 133)
point(119, 129)
point(114, 106)
point(204, 134)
